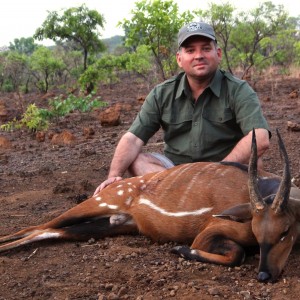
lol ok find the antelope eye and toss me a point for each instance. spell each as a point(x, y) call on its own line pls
point(284, 235)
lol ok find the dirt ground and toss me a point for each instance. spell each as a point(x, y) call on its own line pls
point(39, 180)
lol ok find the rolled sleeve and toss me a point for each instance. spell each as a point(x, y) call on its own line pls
point(147, 122)
point(247, 109)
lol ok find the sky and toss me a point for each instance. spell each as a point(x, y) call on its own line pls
point(20, 18)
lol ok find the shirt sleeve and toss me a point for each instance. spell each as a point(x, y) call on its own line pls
point(247, 108)
point(147, 122)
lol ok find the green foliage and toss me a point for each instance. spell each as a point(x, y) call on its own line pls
point(156, 25)
point(15, 69)
point(90, 77)
point(77, 24)
point(32, 119)
point(104, 70)
point(261, 24)
point(108, 67)
point(45, 64)
point(23, 45)
point(36, 119)
point(60, 107)
point(138, 61)
point(7, 86)
point(297, 53)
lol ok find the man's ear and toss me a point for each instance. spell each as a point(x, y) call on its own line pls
point(178, 58)
point(240, 213)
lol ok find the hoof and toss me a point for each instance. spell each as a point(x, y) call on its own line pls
point(183, 251)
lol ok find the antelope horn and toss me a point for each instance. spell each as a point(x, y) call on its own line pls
point(256, 199)
point(283, 193)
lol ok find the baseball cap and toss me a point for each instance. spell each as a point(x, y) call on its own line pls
point(195, 28)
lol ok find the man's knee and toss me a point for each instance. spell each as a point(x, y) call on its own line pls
point(145, 163)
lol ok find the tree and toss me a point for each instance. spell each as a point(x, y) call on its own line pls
point(15, 69)
point(156, 25)
point(79, 25)
point(260, 24)
point(44, 65)
point(245, 37)
point(23, 45)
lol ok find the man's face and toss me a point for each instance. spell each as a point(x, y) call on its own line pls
point(199, 57)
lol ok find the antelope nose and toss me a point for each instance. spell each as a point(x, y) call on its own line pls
point(263, 276)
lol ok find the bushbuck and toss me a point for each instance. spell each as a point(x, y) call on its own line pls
point(191, 203)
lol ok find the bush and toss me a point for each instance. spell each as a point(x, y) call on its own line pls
point(32, 119)
point(37, 119)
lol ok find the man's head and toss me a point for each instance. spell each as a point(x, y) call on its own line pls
point(192, 29)
point(198, 55)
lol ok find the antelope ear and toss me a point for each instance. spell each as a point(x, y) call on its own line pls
point(294, 202)
point(240, 213)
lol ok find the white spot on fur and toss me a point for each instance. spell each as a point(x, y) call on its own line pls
point(110, 206)
point(113, 206)
point(130, 190)
point(129, 183)
point(120, 185)
point(120, 193)
point(98, 198)
point(142, 181)
point(143, 186)
point(197, 212)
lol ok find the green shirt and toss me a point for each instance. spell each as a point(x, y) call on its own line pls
point(205, 130)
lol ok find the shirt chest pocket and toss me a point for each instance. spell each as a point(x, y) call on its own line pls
point(219, 116)
point(176, 124)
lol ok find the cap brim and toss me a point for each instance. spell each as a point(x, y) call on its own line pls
point(197, 34)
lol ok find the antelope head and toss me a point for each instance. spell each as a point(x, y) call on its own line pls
point(274, 214)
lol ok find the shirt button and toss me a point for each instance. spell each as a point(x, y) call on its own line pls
point(195, 124)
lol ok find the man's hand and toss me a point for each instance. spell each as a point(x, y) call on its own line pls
point(106, 183)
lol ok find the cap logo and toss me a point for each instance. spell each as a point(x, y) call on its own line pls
point(194, 26)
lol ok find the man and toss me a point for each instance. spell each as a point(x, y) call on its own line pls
point(206, 114)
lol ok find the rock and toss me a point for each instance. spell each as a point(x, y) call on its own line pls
point(141, 99)
point(64, 138)
point(88, 131)
point(5, 143)
point(294, 94)
point(110, 116)
point(3, 112)
point(292, 126)
point(40, 136)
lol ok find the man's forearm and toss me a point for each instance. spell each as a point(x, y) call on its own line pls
point(241, 152)
point(126, 152)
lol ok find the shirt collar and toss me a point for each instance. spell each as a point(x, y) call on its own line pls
point(214, 86)
point(216, 83)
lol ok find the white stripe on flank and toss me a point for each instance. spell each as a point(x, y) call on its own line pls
point(175, 214)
